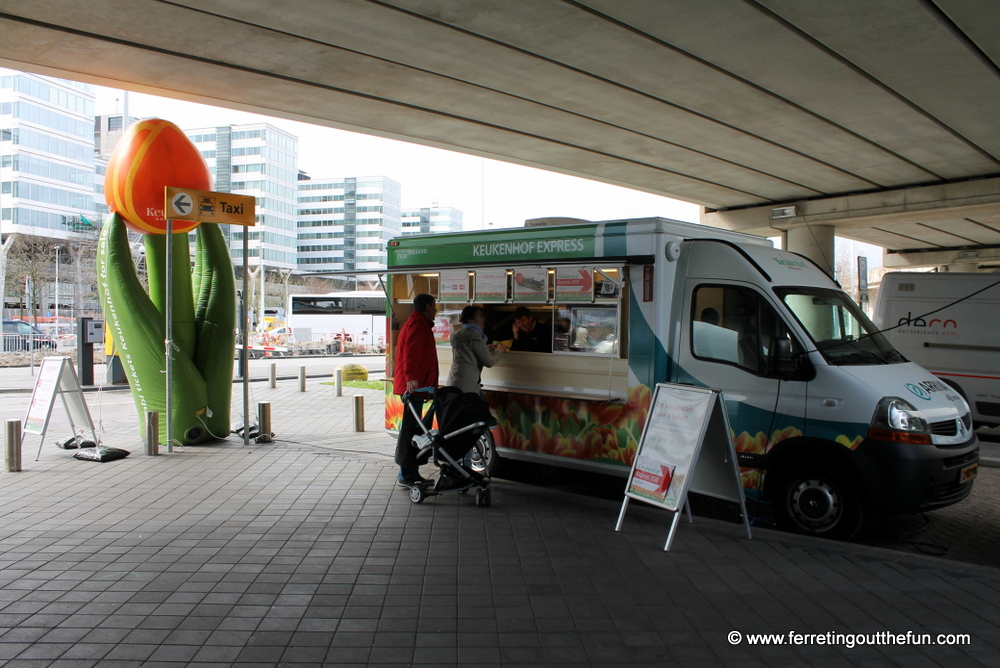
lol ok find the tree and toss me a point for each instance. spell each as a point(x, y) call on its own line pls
point(5, 247)
point(31, 259)
point(84, 272)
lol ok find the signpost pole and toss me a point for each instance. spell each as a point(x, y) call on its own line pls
point(168, 342)
point(245, 337)
point(219, 208)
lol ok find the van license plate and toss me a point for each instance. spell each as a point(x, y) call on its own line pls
point(968, 473)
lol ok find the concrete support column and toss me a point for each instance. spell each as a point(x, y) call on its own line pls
point(967, 268)
point(816, 242)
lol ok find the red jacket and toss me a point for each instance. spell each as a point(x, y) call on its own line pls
point(416, 354)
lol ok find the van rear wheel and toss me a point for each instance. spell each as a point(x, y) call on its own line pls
point(818, 499)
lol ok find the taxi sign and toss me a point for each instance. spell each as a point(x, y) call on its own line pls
point(206, 206)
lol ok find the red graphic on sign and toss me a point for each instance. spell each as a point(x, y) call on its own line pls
point(662, 481)
point(584, 282)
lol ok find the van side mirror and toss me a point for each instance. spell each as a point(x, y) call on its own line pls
point(780, 361)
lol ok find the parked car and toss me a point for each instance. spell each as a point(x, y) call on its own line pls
point(18, 336)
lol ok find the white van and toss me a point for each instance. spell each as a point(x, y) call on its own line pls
point(958, 342)
point(829, 420)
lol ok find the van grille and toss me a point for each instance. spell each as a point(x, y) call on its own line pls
point(944, 428)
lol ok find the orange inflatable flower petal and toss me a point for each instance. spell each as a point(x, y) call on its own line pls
point(151, 155)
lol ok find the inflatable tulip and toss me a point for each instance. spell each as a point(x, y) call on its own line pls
point(151, 155)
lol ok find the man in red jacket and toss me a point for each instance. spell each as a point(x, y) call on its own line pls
point(416, 366)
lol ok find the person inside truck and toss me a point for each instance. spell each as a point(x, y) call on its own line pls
point(713, 341)
point(529, 334)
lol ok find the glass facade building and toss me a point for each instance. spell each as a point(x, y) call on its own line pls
point(431, 220)
point(345, 223)
point(259, 160)
point(47, 164)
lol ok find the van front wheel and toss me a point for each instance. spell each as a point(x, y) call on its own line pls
point(820, 500)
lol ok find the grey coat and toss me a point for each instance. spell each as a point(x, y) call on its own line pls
point(469, 356)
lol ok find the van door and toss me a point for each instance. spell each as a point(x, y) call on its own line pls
point(724, 345)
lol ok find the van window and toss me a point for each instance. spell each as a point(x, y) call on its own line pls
point(838, 327)
point(735, 325)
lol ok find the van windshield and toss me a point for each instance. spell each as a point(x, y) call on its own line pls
point(840, 330)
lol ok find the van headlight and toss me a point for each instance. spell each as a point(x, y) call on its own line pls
point(897, 420)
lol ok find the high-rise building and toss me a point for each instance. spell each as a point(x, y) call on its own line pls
point(431, 220)
point(49, 177)
point(344, 223)
point(108, 129)
point(259, 160)
point(46, 156)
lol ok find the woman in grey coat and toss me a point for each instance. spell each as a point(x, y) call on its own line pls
point(470, 352)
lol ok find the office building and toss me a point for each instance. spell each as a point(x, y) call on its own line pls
point(47, 166)
point(345, 223)
point(431, 220)
point(108, 129)
point(49, 177)
point(259, 160)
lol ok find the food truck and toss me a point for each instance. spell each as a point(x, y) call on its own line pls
point(828, 420)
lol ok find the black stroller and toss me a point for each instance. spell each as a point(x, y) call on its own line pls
point(463, 417)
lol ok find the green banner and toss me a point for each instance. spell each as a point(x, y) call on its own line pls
point(516, 246)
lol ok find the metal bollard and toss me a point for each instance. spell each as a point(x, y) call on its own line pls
point(152, 433)
point(264, 421)
point(359, 412)
point(272, 376)
point(338, 376)
point(13, 457)
point(302, 379)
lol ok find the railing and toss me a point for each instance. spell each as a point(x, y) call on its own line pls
point(20, 343)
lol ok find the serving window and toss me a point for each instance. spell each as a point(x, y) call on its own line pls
point(586, 329)
point(581, 305)
point(584, 307)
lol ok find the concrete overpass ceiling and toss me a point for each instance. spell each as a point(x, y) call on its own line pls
point(949, 234)
point(732, 104)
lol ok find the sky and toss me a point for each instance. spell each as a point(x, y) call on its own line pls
point(487, 192)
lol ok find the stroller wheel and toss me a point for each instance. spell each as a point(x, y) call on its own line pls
point(417, 494)
point(483, 497)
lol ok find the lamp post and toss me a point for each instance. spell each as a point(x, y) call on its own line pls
point(58, 248)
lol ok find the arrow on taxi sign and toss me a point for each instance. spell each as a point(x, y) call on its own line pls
point(183, 204)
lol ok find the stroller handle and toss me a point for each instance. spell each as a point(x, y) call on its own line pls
point(428, 390)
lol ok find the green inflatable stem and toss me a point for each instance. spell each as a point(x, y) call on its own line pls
point(203, 328)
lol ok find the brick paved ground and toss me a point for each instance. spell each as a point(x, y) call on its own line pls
point(304, 552)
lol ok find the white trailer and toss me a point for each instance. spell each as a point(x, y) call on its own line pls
point(958, 342)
